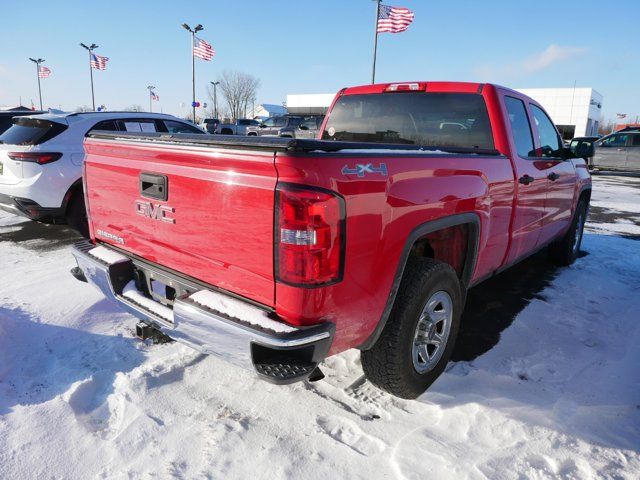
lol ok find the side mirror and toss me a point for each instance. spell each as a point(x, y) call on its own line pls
point(303, 127)
point(262, 125)
point(585, 149)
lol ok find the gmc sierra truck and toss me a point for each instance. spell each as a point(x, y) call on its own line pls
point(275, 253)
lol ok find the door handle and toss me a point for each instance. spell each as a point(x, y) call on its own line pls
point(154, 186)
point(526, 179)
point(553, 176)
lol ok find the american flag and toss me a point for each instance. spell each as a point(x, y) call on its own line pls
point(43, 72)
point(203, 49)
point(154, 96)
point(98, 62)
point(393, 19)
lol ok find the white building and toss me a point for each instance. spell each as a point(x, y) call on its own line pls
point(575, 111)
point(266, 110)
point(309, 104)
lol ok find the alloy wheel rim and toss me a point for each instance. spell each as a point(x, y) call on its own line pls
point(432, 331)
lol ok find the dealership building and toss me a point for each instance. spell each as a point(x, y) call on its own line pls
point(575, 111)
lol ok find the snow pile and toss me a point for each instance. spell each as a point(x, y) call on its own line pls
point(237, 309)
point(557, 397)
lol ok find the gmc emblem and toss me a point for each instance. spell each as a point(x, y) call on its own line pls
point(155, 211)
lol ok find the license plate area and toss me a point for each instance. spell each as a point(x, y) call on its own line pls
point(161, 292)
point(160, 287)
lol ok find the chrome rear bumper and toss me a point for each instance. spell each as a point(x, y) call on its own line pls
point(280, 353)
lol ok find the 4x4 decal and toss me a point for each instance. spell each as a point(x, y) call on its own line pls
point(361, 170)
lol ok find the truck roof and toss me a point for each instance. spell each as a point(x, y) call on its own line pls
point(428, 86)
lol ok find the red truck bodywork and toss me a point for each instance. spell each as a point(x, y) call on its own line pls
point(471, 208)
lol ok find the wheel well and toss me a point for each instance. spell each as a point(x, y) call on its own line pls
point(453, 240)
point(585, 194)
point(73, 190)
point(449, 245)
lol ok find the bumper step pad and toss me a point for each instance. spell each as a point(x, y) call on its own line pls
point(283, 369)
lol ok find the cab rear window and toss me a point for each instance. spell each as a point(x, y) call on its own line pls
point(427, 119)
point(31, 131)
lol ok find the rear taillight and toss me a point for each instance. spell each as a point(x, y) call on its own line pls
point(310, 236)
point(40, 158)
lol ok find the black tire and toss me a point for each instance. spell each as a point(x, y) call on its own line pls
point(77, 214)
point(389, 364)
point(565, 250)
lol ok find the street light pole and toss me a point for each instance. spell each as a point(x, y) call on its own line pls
point(150, 87)
point(215, 99)
point(38, 62)
point(193, 31)
point(90, 49)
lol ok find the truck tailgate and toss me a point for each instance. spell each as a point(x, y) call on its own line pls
point(216, 222)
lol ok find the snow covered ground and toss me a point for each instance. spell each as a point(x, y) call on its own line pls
point(546, 386)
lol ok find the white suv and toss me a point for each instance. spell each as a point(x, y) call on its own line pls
point(41, 160)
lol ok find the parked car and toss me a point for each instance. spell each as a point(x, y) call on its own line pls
point(276, 126)
point(7, 116)
point(275, 255)
point(308, 128)
point(210, 125)
point(41, 159)
point(618, 151)
point(242, 126)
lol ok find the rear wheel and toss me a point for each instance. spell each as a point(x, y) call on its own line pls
point(77, 214)
point(565, 250)
point(417, 341)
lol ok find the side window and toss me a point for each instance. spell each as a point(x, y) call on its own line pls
point(617, 140)
point(309, 123)
point(547, 133)
point(280, 122)
point(179, 127)
point(520, 126)
point(269, 122)
point(635, 140)
point(139, 125)
point(108, 125)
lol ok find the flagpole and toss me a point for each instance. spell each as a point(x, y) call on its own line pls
point(375, 42)
point(39, 88)
point(150, 88)
point(91, 48)
point(193, 31)
point(93, 99)
point(193, 76)
point(38, 62)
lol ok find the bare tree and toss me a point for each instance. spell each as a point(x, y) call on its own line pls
point(238, 90)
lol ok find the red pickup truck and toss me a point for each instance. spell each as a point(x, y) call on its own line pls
point(275, 253)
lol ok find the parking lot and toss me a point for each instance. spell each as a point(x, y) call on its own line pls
point(544, 381)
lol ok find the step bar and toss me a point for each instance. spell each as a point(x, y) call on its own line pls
point(210, 321)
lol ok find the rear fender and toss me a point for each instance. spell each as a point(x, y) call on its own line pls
point(471, 220)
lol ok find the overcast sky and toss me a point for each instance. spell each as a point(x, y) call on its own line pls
point(300, 46)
